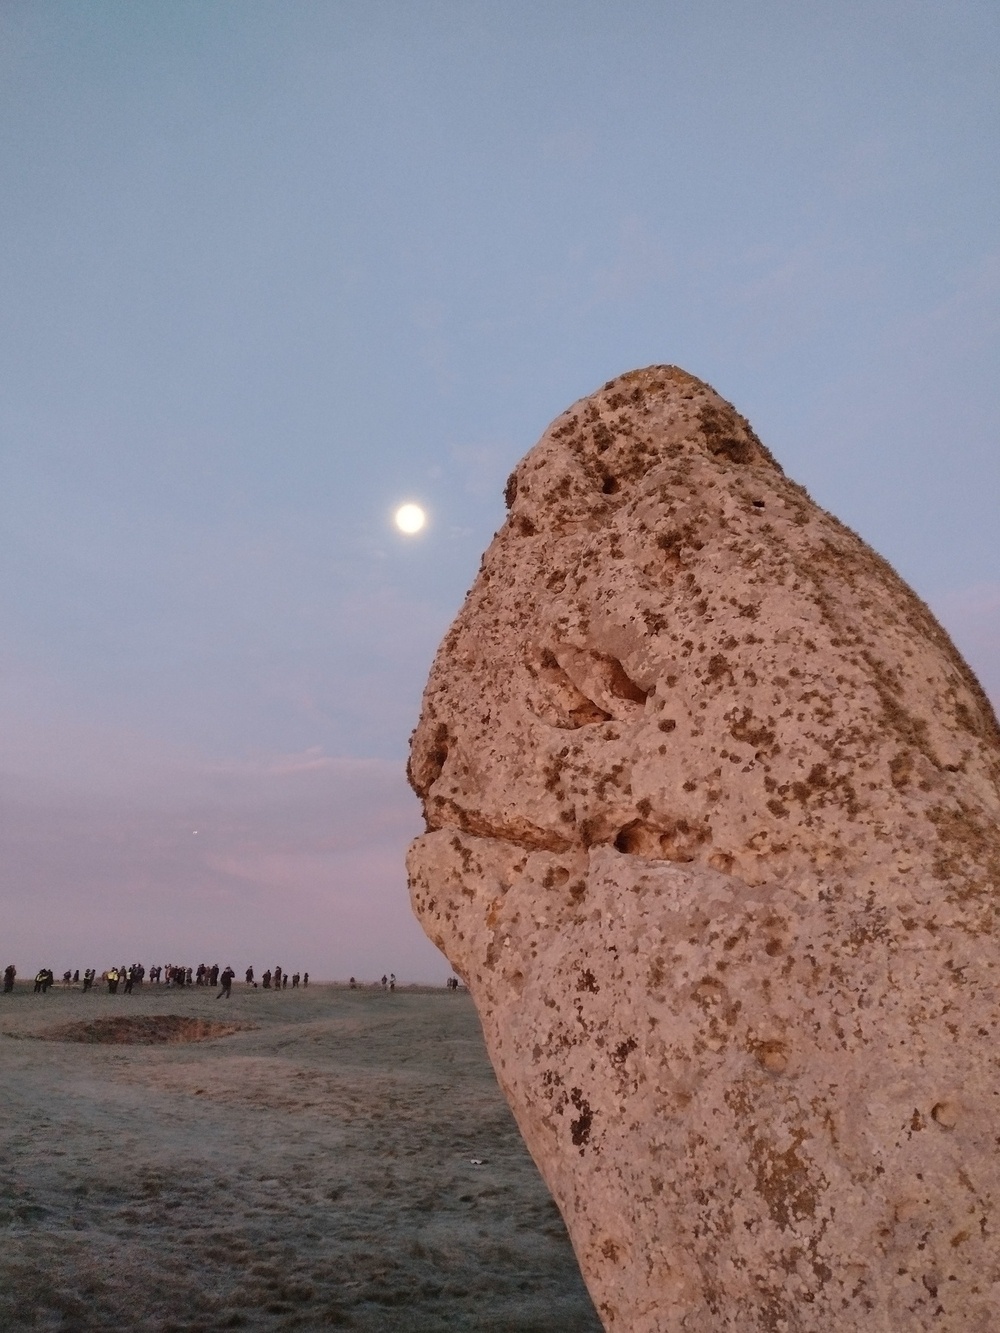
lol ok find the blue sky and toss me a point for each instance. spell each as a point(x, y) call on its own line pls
point(268, 269)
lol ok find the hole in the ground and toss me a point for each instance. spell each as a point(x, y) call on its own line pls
point(142, 1030)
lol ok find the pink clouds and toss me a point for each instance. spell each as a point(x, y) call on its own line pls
point(290, 858)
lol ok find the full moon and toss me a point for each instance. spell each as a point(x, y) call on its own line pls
point(410, 518)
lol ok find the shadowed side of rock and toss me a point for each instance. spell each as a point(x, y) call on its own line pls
point(713, 809)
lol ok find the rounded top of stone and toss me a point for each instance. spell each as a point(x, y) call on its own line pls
point(608, 444)
point(671, 650)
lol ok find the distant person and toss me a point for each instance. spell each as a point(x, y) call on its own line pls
point(227, 983)
point(385, 981)
point(277, 978)
point(76, 976)
point(392, 981)
point(129, 974)
point(9, 973)
point(88, 979)
point(284, 981)
point(214, 975)
point(188, 977)
point(249, 976)
point(40, 976)
point(66, 978)
point(305, 978)
point(353, 984)
point(296, 978)
point(265, 980)
point(113, 981)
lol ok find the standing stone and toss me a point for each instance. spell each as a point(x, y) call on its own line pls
point(712, 808)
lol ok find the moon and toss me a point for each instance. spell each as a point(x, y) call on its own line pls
point(410, 518)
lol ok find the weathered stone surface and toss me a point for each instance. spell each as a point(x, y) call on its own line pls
point(713, 838)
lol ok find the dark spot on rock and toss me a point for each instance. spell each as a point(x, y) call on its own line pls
point(622, 1051)
point(580, 1127)
point(603, 438)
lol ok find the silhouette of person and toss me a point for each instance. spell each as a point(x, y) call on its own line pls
point(227, 983)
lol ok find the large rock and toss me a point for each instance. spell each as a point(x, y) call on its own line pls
point(712, 808)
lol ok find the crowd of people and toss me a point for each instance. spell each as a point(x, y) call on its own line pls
point(132, 977)
point(128, 978)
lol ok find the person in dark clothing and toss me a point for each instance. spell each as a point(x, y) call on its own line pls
point(249, 976)
point(277, 978)
point(39, 980)
point(214, 975)
point(227, 983)
point(305, 978)
point(295, 980)
point(129, 973)
point(9, 973)
point(265, 980)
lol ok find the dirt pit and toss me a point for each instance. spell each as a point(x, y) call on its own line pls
point(142, 1030)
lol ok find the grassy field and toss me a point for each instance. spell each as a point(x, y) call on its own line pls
point(311, 1171)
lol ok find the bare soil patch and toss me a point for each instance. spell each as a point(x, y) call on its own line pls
point(142, 1030)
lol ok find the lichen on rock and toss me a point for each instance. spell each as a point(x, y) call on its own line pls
point(713, 812)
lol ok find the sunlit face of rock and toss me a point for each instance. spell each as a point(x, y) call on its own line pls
point(707, 788)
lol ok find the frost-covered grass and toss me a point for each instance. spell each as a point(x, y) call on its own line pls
point(312, 1172)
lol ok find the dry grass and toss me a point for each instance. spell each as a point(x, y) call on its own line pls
point(314, 1172)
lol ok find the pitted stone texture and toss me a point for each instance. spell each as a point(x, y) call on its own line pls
point(713, 812)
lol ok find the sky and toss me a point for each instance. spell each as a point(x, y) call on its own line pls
point(268, 270)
